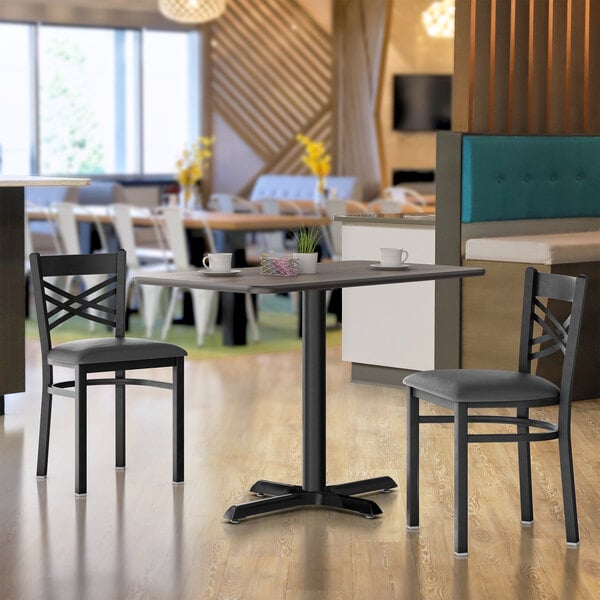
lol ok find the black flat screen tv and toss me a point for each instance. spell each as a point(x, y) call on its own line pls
point(422, 102)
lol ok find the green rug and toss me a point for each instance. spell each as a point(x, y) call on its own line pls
point(277, 323)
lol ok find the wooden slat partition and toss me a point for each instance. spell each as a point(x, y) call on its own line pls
point(270, 79)
point(530, 66)
point(361, 36)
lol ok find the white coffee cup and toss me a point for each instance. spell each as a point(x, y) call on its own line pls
point(393, 257)
point(218, 262)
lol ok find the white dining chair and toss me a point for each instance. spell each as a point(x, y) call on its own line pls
point(204, 302)
point(50, 243)
point(230, 203)
point(69, 240)
point(386, 206)
point(406, 197)
point(333, 232)
point(276, 241)
point(158, 260)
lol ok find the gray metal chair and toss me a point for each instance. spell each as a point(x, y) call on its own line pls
point(103, 303)
point(545, 329)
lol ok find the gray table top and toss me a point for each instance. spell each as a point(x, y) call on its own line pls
point(351, 273)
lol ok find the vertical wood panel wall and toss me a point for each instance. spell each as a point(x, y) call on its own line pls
point(360, 27)
point(527, 66)
point(270, 79)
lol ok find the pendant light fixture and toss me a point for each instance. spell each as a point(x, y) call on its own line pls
point(438, 19)
point(191, 11)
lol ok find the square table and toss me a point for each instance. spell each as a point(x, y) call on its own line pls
point(314, 491)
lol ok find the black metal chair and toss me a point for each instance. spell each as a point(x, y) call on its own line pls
point(102, 303)
point(542, 333)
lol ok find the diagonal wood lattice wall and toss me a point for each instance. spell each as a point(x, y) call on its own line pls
point(270, 78)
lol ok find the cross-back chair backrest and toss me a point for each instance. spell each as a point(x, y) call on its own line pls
point(103, 302)
point(545, 330)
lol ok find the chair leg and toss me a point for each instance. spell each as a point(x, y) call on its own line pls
point(211, 324)
point(169, 315)
point(568, 486)
point(120, 421)
point(412, 455)
point(178, 421)
point(525, 470)
point(461, 480)
point(252, 318)
point(150, 305)
point(45, 417)
point(80, 431)
point(201, 300)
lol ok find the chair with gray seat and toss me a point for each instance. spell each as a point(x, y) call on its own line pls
point(546, 328)
point(104, 303)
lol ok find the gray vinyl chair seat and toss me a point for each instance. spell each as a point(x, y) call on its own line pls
point(485, 387)
point(109, 350)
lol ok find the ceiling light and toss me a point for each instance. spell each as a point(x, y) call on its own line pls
point(438, 19)
point(191, 11)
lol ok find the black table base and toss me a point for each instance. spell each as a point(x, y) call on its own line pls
point(313, 491)
point(286, 497)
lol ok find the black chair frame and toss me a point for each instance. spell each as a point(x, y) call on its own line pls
point(557, 335)
point(103, 303)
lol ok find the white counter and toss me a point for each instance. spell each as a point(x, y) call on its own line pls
point(388, 331)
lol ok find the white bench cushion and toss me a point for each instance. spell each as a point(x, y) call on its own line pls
point(545, 249)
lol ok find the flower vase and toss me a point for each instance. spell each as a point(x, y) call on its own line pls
point(187, 198)
point(320, 193)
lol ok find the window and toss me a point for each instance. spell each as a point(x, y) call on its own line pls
point(170, 92)
point(109, 101)
point(16, 100)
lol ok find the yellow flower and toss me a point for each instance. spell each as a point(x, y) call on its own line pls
point(190, 166)
point(316, 158)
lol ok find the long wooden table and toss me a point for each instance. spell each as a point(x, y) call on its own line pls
point(232, 226)
point(308, 207)
point(231, 222)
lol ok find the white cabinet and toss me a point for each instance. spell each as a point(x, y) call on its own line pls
point(389, 325)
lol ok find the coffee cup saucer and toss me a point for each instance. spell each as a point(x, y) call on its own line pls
point(381, 267)
point(212, 273)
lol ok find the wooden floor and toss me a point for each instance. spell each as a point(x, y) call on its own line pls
point(136, 535)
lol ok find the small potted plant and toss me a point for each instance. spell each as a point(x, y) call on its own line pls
point(307, 239)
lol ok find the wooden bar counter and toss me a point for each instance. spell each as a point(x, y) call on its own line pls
point(12, 277)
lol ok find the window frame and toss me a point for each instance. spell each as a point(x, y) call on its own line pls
point(195, 117)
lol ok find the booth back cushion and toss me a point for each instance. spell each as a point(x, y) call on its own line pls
point(302, 187)
point(530, 177)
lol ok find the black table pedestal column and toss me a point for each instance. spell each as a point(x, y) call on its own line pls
point(314, 491)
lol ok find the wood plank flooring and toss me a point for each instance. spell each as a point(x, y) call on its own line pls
point(137, 536)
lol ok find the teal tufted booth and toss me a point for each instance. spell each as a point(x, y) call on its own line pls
point(508, 177)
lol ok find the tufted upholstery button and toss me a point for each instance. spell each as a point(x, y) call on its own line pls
point(526, 179)
point(500, 179)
